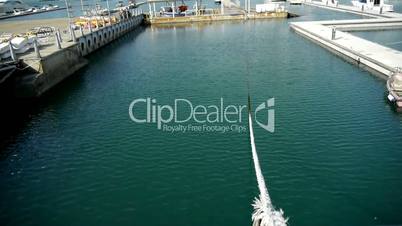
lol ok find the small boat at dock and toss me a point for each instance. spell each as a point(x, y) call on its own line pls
point(377, 5)
point(49, 7)
point(269, 6)
point(394, 86)
point(167, 11)
point(18, 12)
point(295, 2)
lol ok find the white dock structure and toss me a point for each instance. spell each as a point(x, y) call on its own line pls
point(372, 56)
point(352, 9)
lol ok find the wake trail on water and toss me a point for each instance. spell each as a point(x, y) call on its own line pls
point(264, 213)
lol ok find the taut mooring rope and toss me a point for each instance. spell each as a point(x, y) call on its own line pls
point(264, 213)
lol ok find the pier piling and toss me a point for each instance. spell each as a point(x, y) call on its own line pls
point(36, 48)
point(57, 40)
point(82, 31)
point(72, 33)
point(12, 52)
point(150, 10)
point(59, 34)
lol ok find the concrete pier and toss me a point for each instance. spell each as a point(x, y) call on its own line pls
point(215, 17)
point(353, 9)
point(369, 55)
point(49, 65)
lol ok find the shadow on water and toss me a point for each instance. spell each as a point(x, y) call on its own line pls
point(16, 114)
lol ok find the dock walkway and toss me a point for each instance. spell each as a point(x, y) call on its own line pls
point(370, 55)
point(353, 9)
point(52, 62)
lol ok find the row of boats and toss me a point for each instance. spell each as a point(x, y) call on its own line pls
point(18, 7)
point(20, 45)
point(24, 42)
point(30, 10)
point(376, 5)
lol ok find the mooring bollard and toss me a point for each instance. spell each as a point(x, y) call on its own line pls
point(72, 33)
point(12, 52)
point(82, 31)
point(59, 34)
point(36, 47)
point(57, 40)
point(333, 33)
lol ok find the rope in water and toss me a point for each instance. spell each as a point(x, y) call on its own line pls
point(264, 213)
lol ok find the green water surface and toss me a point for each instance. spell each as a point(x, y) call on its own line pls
point(335, 158)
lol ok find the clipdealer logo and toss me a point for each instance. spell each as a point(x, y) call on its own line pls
point(183, 116)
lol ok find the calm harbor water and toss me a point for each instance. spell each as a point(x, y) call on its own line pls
point(389, 38)
point(334, 159)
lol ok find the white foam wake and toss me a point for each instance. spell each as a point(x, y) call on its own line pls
point(264, 213)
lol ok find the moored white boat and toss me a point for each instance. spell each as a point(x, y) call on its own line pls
point(295, 2)
point(377, 5)
point(32, 10)
point(20, 45)
point(18, 12)
point(19, 42)
point(49, 7)
point(269, 6)
point(4, 47)
point(394, 86)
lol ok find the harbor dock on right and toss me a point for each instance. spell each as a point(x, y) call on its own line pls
point(332, 35)
point(334, 5)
